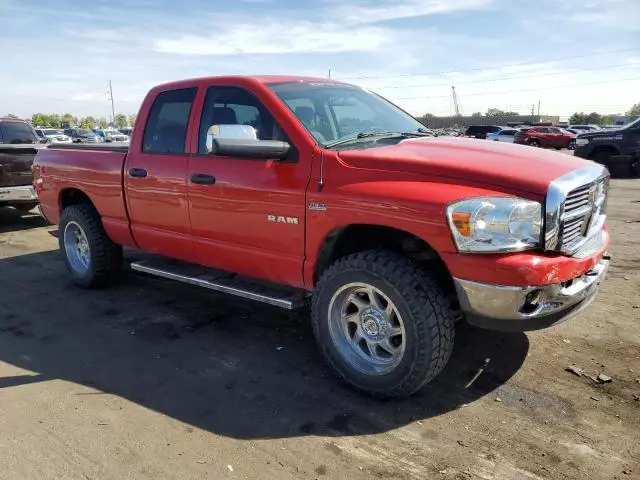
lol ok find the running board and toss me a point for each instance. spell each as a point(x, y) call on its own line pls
point(276, 295)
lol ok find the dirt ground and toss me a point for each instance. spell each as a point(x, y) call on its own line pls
point(158, 380)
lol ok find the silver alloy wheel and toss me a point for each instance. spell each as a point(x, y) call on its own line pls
point(76, 247)
point(366, 328)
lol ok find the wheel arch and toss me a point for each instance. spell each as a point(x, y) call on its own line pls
point(609, 148)
point(353, 238)
point(73, 196)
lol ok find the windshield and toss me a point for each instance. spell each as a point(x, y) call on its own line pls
point(84, 131)
point(53, 132)
point(335, 111)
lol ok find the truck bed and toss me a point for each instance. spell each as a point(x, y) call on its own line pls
point(103, 147)
point(93, 170)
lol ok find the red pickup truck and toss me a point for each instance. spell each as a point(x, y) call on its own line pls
point(280, 189)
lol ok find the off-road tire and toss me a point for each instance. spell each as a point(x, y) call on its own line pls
point(106, 256)
point(423, 305)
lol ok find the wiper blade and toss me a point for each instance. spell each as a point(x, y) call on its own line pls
point(357, 137)
point(378, 134)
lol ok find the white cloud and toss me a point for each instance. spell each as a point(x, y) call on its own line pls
point(353, 32)
point(359, 13)
point(269, 37)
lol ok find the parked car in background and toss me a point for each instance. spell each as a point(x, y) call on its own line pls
point(504, 135)
point(126, 131)
point(546, 137)
point(585, 128)
point(83, 135)
point(40, 135)
point(573, 130)
point(481, 131)
point(111, 135)
point(19, 144)
point(52, 135)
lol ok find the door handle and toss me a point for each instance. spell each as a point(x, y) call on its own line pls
point(203, 179)
point(138, 172)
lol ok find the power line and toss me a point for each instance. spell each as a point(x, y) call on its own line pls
point(511, 78)
point(493, 67)
point(525, 90)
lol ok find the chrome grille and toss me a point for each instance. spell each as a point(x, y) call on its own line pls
point(579, 213)
point(575, 209)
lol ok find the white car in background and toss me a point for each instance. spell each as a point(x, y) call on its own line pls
point(504, 135)
point(53, 135)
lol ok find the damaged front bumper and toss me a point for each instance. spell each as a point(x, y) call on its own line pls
point(517, 309)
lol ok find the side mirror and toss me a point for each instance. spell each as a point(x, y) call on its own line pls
point(246, 132)
point(242, 141)
point(249, 148)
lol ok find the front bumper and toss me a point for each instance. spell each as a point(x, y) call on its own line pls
point(518, 309)
point(20, 194)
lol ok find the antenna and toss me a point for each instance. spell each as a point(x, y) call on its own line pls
point(456, 102)
point(321, 179)
point(113, 109)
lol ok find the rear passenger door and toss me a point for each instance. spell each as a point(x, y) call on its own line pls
point(155, 178)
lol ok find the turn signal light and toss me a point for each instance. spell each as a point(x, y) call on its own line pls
point(462, 222)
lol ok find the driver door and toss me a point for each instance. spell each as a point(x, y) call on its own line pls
point(247, 214)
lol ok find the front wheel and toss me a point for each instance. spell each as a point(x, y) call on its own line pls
point(89, 254)
point(534, 143)
point(382, 323)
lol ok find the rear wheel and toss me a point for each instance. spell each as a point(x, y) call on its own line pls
point(382, 323)
point(89, 254)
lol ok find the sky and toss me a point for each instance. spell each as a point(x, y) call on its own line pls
point(58, 56)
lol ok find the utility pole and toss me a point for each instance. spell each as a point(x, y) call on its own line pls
point(329, 74)
point(113, 108)
point(456, 103)
point(538, 107)
point(533, 109)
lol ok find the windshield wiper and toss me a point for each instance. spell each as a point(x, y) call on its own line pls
point(378, 134)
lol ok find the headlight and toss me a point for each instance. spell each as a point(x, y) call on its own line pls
point(495, 224)
point(582, 141)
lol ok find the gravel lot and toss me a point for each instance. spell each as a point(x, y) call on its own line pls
point(158, 380)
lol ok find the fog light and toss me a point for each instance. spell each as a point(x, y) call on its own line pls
point(531, 302)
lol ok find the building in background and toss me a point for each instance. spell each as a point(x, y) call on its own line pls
point(460, 121)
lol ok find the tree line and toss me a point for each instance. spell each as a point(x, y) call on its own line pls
point(54, 120)
point(578, 118)
point(595, 118)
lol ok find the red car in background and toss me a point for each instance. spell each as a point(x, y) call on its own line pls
point(548, 137)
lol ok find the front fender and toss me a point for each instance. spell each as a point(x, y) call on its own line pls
point(413, 206)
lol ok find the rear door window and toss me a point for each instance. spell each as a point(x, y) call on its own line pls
point(166, 128)
point(17, 133)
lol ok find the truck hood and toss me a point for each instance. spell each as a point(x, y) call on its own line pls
point(508, 166)
point(605, 134)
